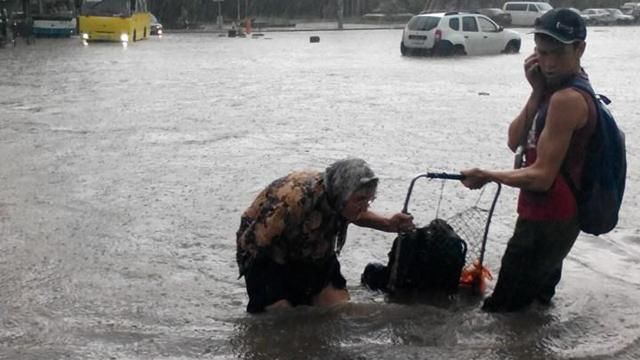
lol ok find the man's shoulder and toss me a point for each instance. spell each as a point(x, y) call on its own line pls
point(568, 94)
point(569, 98)
point(571, 106)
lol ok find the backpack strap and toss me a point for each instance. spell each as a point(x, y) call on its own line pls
point(581, 84)
point(569, 179)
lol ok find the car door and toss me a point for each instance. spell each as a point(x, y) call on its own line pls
point(532, 14)
point(491, 36)
point(472, 36)
point(517, 11)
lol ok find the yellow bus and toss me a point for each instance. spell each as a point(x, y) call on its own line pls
point(114, 20)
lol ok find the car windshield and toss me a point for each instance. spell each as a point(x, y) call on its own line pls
point(106, 8)
point(614, 11)
point(491, 11)
point(423, 23)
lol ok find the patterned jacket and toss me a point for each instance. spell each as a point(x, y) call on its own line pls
point(290, 221)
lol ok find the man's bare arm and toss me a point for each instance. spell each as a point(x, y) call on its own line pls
point(568, 111)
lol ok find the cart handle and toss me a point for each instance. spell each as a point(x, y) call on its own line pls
point(446, 176)
point(430, 175)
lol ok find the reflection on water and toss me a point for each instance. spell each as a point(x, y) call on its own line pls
point(124, 172)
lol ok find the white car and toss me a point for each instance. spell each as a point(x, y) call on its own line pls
point(457, 33)
point(525, 13)
point(620, 17)
point(585, 17)
point(599, 16)
point(632, 9)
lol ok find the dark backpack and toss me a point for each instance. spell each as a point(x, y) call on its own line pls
point(430, 258)
point(605, 170)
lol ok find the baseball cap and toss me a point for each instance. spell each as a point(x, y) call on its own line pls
point(564, 25)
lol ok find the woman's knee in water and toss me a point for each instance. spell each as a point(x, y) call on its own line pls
point(331, 296)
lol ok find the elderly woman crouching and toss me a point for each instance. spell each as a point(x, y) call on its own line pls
point(289, 238)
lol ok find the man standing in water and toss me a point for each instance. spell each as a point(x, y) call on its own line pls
point(552, 132)
point(289, 238)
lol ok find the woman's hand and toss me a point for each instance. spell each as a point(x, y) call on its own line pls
point(401, 223)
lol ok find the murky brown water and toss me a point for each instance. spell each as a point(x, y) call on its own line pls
point(123, 173)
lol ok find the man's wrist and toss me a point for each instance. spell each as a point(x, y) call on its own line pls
point(535, 96)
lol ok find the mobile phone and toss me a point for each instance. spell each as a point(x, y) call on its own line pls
point(536, 68)
point(518, 158)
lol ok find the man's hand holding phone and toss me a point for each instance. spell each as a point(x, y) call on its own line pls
point(534, 74)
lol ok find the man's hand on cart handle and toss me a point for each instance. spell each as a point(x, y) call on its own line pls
point(475, 178)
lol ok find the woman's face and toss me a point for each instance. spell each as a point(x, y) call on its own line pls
point(358, 203)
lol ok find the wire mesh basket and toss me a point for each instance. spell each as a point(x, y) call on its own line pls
point(468, 214)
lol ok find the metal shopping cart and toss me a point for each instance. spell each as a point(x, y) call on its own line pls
point(470, 221)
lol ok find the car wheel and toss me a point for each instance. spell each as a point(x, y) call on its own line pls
point(403, 49)
point(513, 47)
point(458, 50)
point(443, 48)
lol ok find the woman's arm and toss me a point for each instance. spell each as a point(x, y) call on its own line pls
point(399, 222)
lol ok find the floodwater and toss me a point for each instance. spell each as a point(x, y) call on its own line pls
point(124, 171)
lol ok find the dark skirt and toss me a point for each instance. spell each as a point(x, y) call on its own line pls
point(297, 282)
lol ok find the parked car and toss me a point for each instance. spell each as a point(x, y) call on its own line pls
point(457, 33)
point(619, 17)
point(525, 13)
point(599, 16)
point(585, 17)
point(633, 9)
point(156, 27)
point(498, 15)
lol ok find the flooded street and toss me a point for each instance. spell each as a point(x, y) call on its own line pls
point(124, 171)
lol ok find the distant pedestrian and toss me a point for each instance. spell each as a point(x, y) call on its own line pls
point(4, 27)
point(14, 31)
point(247, 25)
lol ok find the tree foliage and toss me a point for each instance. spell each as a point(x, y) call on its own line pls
point(174, 12)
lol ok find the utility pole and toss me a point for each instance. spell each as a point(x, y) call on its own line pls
point(340, 11)
point(219, 17)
